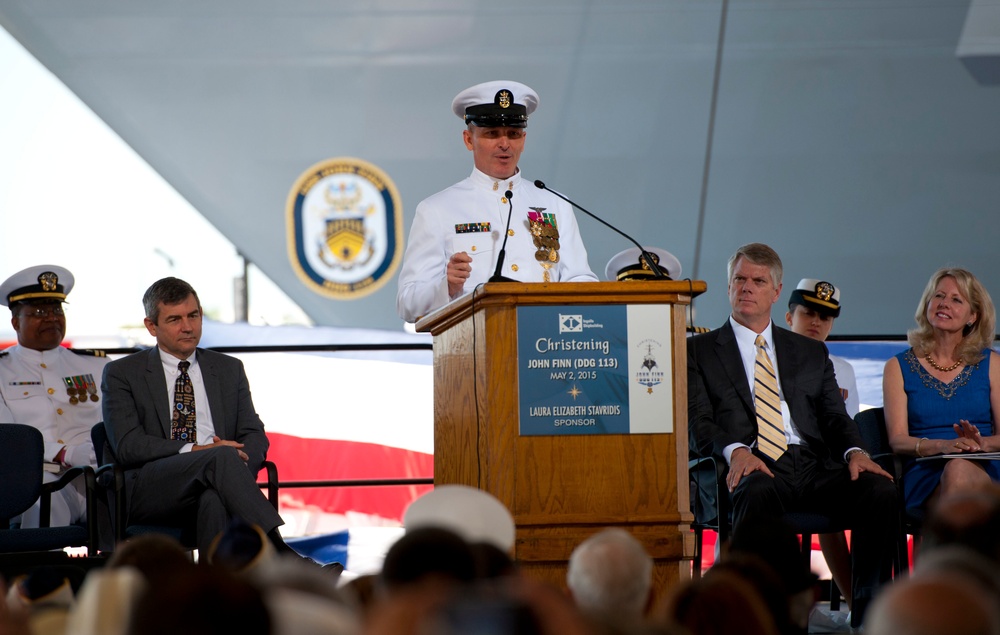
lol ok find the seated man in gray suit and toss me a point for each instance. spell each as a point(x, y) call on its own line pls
point(181, 421)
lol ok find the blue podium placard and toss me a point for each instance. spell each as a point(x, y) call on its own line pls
point(594, 369)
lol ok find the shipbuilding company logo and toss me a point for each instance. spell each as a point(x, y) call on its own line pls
point(570, 323)
point(575, 323)
point(344, 221)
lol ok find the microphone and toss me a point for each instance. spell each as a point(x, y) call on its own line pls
point(645, 254)
point(496, 277)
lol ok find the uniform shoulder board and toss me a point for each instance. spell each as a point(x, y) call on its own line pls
point(4, 354)
point(89, 352)
point(698, 329)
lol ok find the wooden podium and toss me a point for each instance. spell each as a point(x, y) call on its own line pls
point(560, 489)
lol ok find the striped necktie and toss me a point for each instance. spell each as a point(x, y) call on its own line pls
point(770, 426)
point(182, 426)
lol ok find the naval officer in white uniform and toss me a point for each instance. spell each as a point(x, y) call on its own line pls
point(48, 386)
point(812, 308)
point(457, 234)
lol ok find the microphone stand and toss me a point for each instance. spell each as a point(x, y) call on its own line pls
point(645, 254)
point(496, 277)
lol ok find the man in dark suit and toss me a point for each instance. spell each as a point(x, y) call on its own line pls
point(180, 419)
point(766, 401)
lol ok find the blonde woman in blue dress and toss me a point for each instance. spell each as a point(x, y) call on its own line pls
point(942, 395)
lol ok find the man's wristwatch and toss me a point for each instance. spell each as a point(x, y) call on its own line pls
point(857, 451)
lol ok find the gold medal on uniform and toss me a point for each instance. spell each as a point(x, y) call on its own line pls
point(546, 239)
point(71, 390)
point(77, 387)
point(92, 388)
point(81, 388)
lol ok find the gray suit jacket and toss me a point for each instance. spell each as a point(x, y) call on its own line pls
point(720, 403)
point(137, 409)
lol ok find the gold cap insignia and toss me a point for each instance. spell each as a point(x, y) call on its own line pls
point(504, 100)
point(824, 291)
point(645, 265)
point(48, 280)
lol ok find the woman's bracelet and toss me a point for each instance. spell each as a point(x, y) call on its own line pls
point(916, 450)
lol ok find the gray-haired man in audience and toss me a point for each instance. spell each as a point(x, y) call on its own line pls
point(610, 577)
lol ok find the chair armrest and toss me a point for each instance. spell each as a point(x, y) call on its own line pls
point(105, 475)
point(110, 480)
point(887, 461)
point(717, 470)
point(709, 463)
point(67, 477)
point(893, 464)
point(272, 482)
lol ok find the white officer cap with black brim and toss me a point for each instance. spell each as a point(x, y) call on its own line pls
point(496, 104)
point(473, 514)
point(819, 295)
point(42, 282)
point(629, 265)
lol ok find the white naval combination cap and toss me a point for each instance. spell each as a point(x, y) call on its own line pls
point(41, 282)
point(495, 104)
point(629, 265)
point(819, 295)
point(473, 514)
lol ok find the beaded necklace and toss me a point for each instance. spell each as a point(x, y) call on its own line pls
point(942, 369)
point(946, 390)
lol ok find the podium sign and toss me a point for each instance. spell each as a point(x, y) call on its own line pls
point(601, 369)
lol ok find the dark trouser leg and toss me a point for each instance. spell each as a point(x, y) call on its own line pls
point(874, 527)
point(869, 507)
point(173, 487)
point(212, 519)
point(758, 494)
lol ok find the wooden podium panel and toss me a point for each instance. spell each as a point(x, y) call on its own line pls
point(563, 488)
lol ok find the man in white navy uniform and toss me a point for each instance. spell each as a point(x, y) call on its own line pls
point(457, 234)
point(48, 386)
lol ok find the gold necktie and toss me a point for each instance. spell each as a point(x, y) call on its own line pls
point(770, 426)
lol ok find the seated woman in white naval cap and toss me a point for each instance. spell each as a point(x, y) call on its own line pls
point(457, 234)
point(812, 308)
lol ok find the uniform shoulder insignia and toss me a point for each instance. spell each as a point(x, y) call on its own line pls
point(698, 329)
point(89, 352)
point(4, 354)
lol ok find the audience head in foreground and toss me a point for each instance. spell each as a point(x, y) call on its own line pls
point(938, 603)
point(610, 578)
